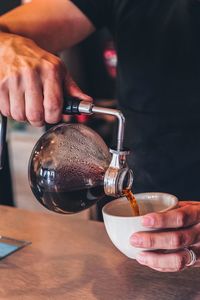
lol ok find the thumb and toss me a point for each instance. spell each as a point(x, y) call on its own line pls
point(73, 89)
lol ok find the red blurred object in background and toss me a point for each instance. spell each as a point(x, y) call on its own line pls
point(76, 118)
point(110, 59)
point(82, 118)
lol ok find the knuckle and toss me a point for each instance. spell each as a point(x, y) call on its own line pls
point(39, 124)
point(187, 239)
point(6, 111)
point(150, 241)
point(4, 85)
point(54, 67)
point(35, 117)
point(53, 71)
point(15, 81)
point(19, 117)
point(17, 114)
point(179, 262)
point(195, 213)
point(177, 240)
point(58, 63)
point(160, 221)
point(53, 106)
point(180, 218)
point(52, 119)
point(28, 75)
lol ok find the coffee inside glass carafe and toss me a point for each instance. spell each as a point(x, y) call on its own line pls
point(67, 168)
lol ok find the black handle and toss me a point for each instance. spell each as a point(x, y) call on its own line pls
point(3, 128)
point(71, 105)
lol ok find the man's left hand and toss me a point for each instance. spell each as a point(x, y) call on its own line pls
point(177, 230)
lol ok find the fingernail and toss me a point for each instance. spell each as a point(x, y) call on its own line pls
point(136, 240)
point(141, 258)
point(147, 221)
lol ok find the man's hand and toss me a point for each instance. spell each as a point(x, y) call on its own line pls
point(31, 79)
point(177, 229)
point(32, 82)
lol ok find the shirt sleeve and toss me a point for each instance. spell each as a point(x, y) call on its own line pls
point(97, 11)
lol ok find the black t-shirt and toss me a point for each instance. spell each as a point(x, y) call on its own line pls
point(158, 46)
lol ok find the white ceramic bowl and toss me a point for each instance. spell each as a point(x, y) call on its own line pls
point(120, 224)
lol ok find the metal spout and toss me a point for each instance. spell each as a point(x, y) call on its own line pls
point(89, 108)
point(74, 105)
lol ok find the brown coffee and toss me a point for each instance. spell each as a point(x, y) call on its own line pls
point(133, 203)
point(68, 202)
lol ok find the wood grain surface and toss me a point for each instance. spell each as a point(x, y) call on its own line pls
point(74, 259)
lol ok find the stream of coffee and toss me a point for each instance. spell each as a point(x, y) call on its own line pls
point(133, 203)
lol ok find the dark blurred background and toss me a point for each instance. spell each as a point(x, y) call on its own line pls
point(6, 5)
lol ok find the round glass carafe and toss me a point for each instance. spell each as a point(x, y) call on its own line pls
point(67, 168)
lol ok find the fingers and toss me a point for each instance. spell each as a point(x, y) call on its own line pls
point(53, 93)
point(33, 98)
point(184, 216)
point(165, 262)
point(167, 239)
point(186, 203)
point(16, 98)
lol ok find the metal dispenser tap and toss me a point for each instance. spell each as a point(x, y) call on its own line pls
point(118, 175)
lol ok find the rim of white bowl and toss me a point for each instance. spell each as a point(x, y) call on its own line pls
point(149, 193)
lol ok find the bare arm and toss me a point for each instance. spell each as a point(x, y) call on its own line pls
point(32, 79)
point(53, 24)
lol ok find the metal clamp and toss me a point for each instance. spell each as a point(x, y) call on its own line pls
point(118, 176)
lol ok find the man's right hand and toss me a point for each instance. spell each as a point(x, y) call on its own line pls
point(32, 82)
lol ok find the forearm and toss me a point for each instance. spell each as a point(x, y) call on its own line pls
point(53, 25)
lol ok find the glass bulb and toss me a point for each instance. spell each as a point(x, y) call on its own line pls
point(67, 168)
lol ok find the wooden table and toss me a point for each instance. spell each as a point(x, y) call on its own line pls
point(71, 259)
